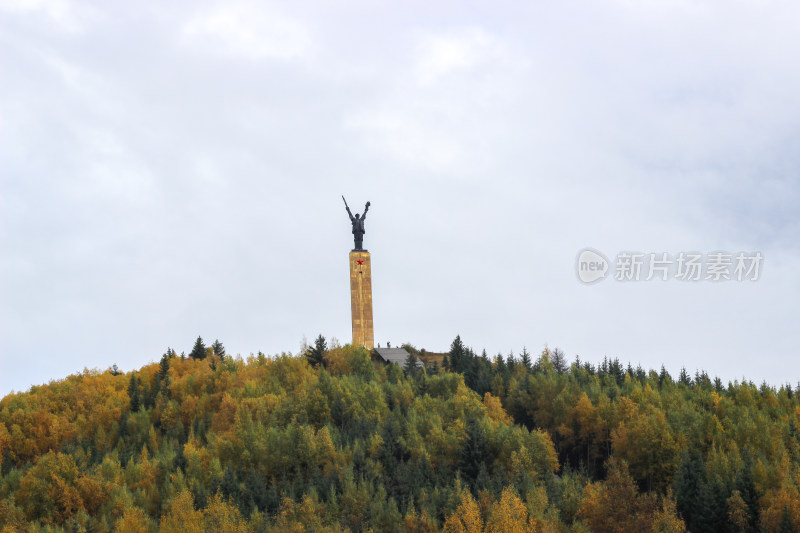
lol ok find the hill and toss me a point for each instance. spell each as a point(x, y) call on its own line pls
point(505, 444)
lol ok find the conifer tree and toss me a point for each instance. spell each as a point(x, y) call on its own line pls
point(316, 354)
point(689, 481)
point(746, 487)
point(229, 487)
point(559, 361)
point(199, 349)
point(133, 393)
point(473, 454)
point(410, 366)
point(457, 355)
point(738, 514)
point(162, 377)
point(511, 362)
point(219, 349)
point(525, 358)
point(500, 364)
point(663, 376)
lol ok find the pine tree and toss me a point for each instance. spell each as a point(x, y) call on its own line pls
point(663, 376)
point(738, 514)
point(133, 393)
point(180, 462)
point(316, 354)
point(511, 363)
point(711, 512)
point(256, 489)
point(559, 361)
point(410, 366)
point(469, 367)
point(500, 364)
point(615, 369)
point(163, 375)
point(747, 488)
point(602, 370)
point(474, 453)
point(163, 365)
point(199, 349)
point(525, 358)
point(457, 355)
point(7, 463)
point(219, 349)
point(688, 484)
point(229, 487)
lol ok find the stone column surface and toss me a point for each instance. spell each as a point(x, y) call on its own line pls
point(361, 299)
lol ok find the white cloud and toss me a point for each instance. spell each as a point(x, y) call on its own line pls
point(444, 103)
point(68, 16)
point(410, 140)
point(250, 30)
point(451, 52)
point(154, 192)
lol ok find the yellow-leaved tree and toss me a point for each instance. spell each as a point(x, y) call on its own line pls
point(466, 518)
point(508, 515)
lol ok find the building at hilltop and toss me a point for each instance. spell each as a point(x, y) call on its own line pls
point(392, 355)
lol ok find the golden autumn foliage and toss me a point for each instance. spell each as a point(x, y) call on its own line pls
point(466, 518)
point(133, 521)
point(508, 515)
point(615, 505)
point(273, 444)
point(181, 515)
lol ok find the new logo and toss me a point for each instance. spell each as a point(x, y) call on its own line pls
point(591, 266)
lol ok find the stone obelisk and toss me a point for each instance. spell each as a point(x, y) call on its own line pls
point(360, 284)
point(361, 299)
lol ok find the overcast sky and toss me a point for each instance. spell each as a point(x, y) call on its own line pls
point(174, 169)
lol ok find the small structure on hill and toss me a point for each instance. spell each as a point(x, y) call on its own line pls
point(392, 355)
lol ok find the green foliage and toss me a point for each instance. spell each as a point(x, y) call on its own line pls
point(330, 441)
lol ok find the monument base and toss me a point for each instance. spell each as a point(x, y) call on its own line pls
point(361, 298)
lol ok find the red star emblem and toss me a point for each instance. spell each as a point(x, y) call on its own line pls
point(360, 261)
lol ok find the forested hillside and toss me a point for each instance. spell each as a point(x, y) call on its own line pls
point(328, 441)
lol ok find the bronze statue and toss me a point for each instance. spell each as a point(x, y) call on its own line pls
point(358, 225)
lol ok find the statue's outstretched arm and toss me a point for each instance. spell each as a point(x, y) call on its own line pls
point(366, 208)
point(347, 207)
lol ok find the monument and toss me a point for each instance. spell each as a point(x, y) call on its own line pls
point(360, 283)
